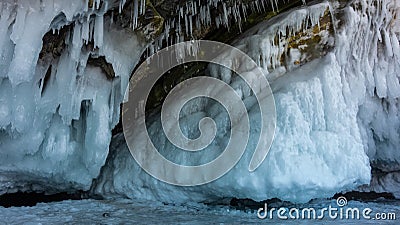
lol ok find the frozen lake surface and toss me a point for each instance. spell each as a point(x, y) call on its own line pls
point(148, 212)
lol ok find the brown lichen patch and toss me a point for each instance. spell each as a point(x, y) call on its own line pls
point(152, 22)
point(310, 41)
point(90, 3)
point(311, 35)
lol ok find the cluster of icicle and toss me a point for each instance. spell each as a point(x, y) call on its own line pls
point(57, 111)
point(375, 61)
point(137, 11)
point(270, 41)
point(195, 15)
point(89, 26)
point(92, 29)
point(274, 41)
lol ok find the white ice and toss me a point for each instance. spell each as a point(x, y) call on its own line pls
point(336, 114)
point(55, 136)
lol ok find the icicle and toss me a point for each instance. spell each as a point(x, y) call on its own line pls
point(98, 31)
point(86, 7)
point(85, 31)
point(226, 21)
point(179, 26)
point(202, 15)
point(257, 6)
point(77, 37)
point(191, 25)
point(135, 14)
point(186, 25)
point(121, 5)
point(276, 5)
point(97, 4)
point(105, 7)
point(388, 44)
point(263, 5)
point(112, 17)
point(91, 30)
point(167, 30)
point(181, 12)
point(208, 16)
point(198, 22)
point(238, 18)
point(217, 21)
point(244, 11)
point(272, 5)
point(173, 23)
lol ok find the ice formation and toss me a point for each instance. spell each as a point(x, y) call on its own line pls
point(336, 114)
point(196, 15)
point(57, 113)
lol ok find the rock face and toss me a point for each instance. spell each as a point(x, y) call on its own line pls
point(334, 67)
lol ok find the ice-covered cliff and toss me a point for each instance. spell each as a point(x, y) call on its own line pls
point(335, 117)
point(333, 67)
point(57, 106)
